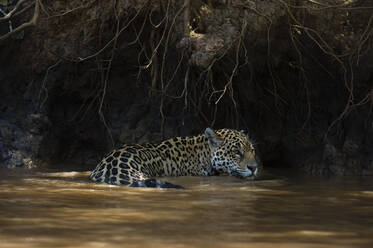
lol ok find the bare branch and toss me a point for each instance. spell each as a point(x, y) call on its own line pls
point(114, 39)
point(43, 88)
point(32, 22)
point(11, 13)
point(187, 17)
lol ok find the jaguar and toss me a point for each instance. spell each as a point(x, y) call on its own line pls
point(224, 151)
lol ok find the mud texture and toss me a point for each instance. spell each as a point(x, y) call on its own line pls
point(91, 75)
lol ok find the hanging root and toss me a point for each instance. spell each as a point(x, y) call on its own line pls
point(207, 90)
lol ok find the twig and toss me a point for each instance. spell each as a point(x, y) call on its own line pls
point(105, 83)
point(116, 36)
point(187, 17)
point(32, 22)
point(43, 85)
point(12, 12)
point(68, 11)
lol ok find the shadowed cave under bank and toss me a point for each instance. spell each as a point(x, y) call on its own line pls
point(90, 76)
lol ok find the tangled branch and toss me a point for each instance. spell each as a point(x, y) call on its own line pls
point(153, 38)
point(12, 12)
point(32, 22)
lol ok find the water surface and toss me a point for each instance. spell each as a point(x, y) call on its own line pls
point(64, 209)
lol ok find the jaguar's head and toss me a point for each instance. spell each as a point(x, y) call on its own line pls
point(232, 152)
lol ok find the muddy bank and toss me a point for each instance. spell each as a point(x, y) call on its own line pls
point(90, 76)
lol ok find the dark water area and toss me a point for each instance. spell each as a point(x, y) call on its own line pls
point(65, 209)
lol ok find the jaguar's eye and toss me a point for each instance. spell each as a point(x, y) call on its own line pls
point(238, 154)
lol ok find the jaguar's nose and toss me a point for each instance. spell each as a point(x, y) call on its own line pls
point(252, 168)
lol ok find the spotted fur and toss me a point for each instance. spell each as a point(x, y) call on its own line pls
point(223, 151)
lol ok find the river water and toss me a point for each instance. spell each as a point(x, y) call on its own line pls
point(64, 209)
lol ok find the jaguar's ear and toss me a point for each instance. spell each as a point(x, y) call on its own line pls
point(244, 131)
point(213, 139)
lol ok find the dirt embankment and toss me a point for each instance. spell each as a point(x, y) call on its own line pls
point(84, 76)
